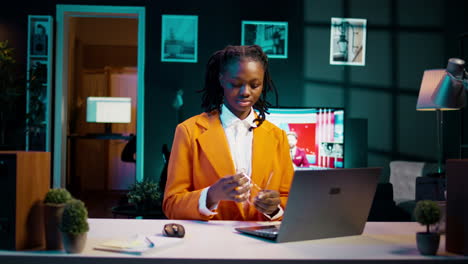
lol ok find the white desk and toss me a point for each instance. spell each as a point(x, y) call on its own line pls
point(217, 242)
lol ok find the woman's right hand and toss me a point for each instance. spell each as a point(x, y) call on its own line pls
point(229, 188)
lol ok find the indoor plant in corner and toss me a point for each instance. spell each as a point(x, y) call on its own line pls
point(144, 195)
point(427, 213)
point(74, 226)
point(54, 203)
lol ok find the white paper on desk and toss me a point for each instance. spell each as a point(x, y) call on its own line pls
point(138, 244)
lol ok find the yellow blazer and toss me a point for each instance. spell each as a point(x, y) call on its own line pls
point(200, 156)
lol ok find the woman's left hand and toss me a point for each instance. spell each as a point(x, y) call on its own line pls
point(267, 202)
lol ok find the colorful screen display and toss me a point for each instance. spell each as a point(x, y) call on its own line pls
point(316, 135)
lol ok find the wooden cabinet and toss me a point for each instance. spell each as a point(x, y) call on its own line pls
point(25, 180)
point(457, 200)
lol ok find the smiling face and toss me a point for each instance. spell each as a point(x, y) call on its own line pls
point(242, 83)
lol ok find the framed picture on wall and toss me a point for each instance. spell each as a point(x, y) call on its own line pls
point(270, 35)
point(348, 41)
point(39, 35)
point(179, 38)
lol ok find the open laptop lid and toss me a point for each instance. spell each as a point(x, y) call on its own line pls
point(328, 203)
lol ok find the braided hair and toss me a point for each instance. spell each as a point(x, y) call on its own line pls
point(212, 92)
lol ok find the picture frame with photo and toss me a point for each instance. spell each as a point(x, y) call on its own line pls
point(39, 37)
point(272, 36)
point(348, 41)
point(179, 38)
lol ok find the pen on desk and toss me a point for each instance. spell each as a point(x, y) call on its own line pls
point(151, 244)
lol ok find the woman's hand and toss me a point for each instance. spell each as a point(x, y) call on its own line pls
point(231, 188)
point(267, 202)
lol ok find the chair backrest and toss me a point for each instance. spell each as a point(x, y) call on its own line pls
point(129, 151)
point(163, 178)
point(403, 178)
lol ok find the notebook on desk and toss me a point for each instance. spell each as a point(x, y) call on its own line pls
point(323, 204)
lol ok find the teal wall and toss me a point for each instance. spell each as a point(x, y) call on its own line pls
point(403, 40)
point(219, 25)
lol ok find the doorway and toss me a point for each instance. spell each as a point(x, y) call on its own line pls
point(121, 60)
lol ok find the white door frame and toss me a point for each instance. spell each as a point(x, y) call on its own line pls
point(64, 13)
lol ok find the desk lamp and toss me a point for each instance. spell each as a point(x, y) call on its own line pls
point(442, 90)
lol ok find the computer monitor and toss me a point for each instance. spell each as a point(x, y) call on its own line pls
point(108, 109)
point(319, 130)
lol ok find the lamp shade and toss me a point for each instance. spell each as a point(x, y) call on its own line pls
point(108, 109)
point(442, 89)
point(450, 92)
point(431, 79)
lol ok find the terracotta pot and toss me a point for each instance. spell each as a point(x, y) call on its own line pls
point(428, 243)
point(52, 218)
point(74, 243)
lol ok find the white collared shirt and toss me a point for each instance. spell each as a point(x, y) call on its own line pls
point(240, 137)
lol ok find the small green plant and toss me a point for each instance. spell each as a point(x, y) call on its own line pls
point(74, 218)
point(427, 213)
point(57, 196)
point(144, 194)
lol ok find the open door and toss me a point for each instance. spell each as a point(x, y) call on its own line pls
point(66, 17)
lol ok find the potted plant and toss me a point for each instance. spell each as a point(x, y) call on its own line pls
point(427, 213)
point(74, 226)
point(54, 203)
point(144, 195)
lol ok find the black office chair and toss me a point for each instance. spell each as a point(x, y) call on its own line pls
point(128, 156)
point(124, 208)
point(163, 178)
point(128, 153)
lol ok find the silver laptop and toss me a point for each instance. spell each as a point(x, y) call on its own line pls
point(324, 204)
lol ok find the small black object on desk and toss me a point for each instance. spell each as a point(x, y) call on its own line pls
point(174, 230)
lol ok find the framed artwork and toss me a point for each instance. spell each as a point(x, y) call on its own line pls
point(348, 41)
point(179, 38)
point(39, 35)
point(271, 36)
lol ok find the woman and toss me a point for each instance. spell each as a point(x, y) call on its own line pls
point(221, 158)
